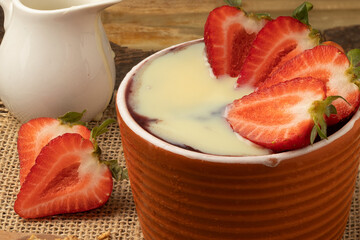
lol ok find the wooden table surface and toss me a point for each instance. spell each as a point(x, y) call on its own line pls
point(156, 24)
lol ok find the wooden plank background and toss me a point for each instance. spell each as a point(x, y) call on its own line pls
point(156, 24)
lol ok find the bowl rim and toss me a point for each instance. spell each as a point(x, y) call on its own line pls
point(270, 160)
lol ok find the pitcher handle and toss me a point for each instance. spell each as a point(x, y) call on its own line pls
point(7, 6)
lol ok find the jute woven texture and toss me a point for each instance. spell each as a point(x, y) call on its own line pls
point(118, 216)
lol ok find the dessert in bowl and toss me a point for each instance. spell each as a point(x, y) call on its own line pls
point(185, 194)
point(185, 190)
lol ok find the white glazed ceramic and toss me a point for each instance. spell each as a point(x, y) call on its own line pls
point(55, 57)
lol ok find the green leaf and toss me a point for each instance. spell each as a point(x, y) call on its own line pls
point(72, 118)
point(301, 13)
point(98, 130)
point(354, 58)
point(313, 134)
point(263, 15)
point(330, 99)
point(321, 131)
point(317, 112)
point(238, 3)
point(123, 174)
point(315, 35)
point(118, 173)
point(356, 71)
point(233, 3)
point(331, 109)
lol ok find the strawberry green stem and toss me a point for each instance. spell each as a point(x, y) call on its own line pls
point(98, 130)
point(238, 3)
point(117, 172)
point(318, 110)
point(233, 3)
point(354, 58)
point(301, 13)
point(72, 118)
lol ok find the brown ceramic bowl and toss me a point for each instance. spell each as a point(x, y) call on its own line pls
point(181, 194)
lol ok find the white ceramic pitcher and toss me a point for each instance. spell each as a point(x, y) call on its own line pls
point(55, 57)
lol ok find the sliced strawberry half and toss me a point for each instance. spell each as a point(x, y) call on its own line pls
point(228, 35)
point(36, 133)
point(281, 117)
point(330, 65)
point(66, 178)
point(278, 41)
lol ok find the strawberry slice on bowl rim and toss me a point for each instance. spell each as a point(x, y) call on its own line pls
point(277, 42)
point(283, 117)
point(333, 67)
point(228, 34)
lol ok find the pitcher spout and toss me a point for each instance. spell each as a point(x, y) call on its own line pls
point(54, 7)
point(7, 7)
point(100, 5)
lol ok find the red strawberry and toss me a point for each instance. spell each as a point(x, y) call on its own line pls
point(334, 44)
point(36, 133)
point(282, 117)
point(278, 41)
point(330, 65)
point(67, 177)
point(228, 35)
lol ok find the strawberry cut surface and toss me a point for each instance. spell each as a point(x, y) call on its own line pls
point(278, 117)
point(35, 134)
point(277, 42)
point(228, 35)
point(66, 178)
point(330, 65)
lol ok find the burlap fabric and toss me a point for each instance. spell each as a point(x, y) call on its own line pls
point(118, 215)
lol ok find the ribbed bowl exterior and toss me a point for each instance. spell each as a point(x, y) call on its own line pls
point(303, 197)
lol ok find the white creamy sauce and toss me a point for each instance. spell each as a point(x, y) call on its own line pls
point(178, 90)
